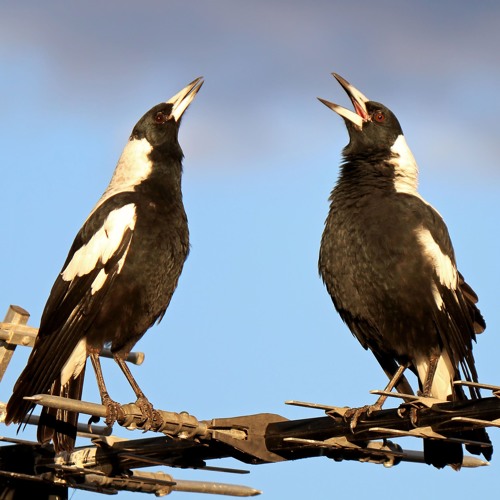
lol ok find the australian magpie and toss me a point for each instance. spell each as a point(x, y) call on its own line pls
point(387, 261)
point(118, 278)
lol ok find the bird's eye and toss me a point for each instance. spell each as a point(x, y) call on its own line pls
point(378, 116)
point(160, 117)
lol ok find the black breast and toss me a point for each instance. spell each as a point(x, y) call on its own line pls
point(142, 291)
point(374, 268)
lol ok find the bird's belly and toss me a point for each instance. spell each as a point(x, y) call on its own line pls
point(380, 292)
point(141, 294)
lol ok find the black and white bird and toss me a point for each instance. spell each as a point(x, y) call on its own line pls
point(387, 261)
point(118, 278)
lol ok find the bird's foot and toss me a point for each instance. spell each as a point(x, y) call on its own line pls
point(353, 415)
point(414, 417)
point(152, 419)
point(114, 410)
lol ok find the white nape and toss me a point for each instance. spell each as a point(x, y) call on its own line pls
point(405, 167)
point(133, 167)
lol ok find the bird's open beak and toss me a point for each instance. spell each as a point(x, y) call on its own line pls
point(183, 99)
point(358, 99)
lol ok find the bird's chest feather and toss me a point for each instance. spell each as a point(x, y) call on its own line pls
point(142, 289)
point(160, 244)
point(368, 248)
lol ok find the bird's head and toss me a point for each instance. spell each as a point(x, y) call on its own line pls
point(372, 127)
point(160, 125)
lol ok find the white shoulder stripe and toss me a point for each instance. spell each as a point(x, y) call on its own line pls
point(444, 267)
point(103, 244)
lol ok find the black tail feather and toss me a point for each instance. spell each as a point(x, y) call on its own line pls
point(61, 425)
point(442, 453)
point(482, 436)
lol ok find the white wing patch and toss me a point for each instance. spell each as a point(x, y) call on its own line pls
point(437, 296)
point(102, 276)
point(444, 267)
point(102, 246)
point(76, 362)
point(442, 382)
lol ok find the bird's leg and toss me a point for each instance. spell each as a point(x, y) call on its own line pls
point(355, 414)
point(112, 407)
point(427, 387)
point(152, 417)
point(390, 386)
point(433, 362)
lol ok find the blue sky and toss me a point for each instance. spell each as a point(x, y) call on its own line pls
point(251, 324)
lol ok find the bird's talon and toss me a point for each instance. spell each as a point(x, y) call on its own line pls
point(113, 411)
point(373, 408)
point(92, 420)
point(413, 416)
point(148, 412)
point(354, 414)
point(157, 419)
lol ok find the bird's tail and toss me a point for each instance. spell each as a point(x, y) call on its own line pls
point(441, 453)
point(61, 425)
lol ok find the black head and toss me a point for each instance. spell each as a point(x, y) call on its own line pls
point(372, 127)
point(160, 125)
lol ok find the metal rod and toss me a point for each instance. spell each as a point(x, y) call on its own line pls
point(198, 486)
point(401, 454)
point(82, 429)
point(14, 331)
point(136, 358)
point(478, 385)
point(177, 424)
point(235, 490)
point(58, 402)
point(478, 421)
point(317, 406)
point(163, 484)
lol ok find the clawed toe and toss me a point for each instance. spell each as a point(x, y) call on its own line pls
point(354, 414)
point(147, 410)
point(151, 417)
point(113, 411)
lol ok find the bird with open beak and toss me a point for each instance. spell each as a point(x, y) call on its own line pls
point(388, 263)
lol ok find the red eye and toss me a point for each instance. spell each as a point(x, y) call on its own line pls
point(378, 116)
point(160, 117)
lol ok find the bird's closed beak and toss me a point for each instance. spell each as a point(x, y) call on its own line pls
point(183, 99)
point(358, 99)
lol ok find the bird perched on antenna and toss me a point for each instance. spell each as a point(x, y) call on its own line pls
point(118, 278)
point(388, 264)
